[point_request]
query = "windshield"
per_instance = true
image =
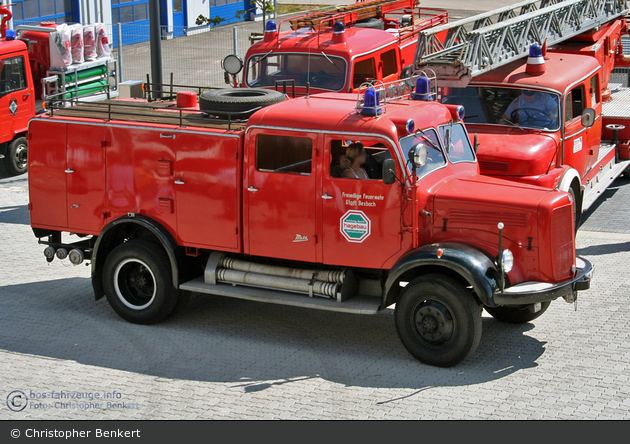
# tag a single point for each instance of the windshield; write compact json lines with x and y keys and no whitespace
{"x":457,"y":143}
{"x":322,"y":71}
{"x":506,"y":106}
{"x":429,"y":137}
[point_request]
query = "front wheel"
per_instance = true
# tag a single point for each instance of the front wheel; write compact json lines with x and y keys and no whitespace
{"x":438,"y":320}
{"x":138,"y":282}
{"x":16,"y":159}
{"x":518,"y":315}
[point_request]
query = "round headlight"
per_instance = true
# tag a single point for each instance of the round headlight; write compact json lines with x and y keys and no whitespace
{"x":419,"y":154}
{"x":507,"y":258}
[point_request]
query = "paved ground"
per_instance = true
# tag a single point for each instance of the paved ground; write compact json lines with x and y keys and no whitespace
{"x":224,"y":358}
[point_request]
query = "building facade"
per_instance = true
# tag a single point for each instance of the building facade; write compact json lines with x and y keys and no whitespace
{"x":178,"y":17}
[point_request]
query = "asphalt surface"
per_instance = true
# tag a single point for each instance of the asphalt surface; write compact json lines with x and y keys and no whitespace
{"x":232,"y":359}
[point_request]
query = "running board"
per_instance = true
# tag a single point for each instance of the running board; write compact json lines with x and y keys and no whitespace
{"x":357,"y":305}
{"x":599,"y":184}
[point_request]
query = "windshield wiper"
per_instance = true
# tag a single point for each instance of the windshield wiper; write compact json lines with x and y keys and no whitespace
{"x":426,"y":138}
{"x":331,"y":62}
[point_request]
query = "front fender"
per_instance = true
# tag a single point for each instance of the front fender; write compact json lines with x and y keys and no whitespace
{"x":470,"y":263}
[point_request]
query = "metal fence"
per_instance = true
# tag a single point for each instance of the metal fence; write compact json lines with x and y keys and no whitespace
{"x":193,"y":59}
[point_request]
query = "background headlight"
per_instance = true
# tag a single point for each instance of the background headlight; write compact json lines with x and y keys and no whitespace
{"x":507,"y":258}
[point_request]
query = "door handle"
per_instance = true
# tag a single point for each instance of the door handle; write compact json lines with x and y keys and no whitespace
{"x":326,"y":197}
{"x":69,"y":171}
{"x":252,"y":189}
{"x":26,"y":96}
{"x":180,"y":182}
{"x":167,"y":136}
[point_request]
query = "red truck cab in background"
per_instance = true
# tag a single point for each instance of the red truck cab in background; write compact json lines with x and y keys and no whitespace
{"x":17,"y":98}
{"x":337,"y":50}
{"x":165,"y":200}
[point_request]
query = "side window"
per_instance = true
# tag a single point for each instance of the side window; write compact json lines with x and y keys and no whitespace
{"x":594,"y":90}
{"x":363,"y":70}
{"x":283,"y":154}
{"x":357,"y":159}
{"x":574,"y":103}
{"x":388,"y":59}
{"x":12,"y":75}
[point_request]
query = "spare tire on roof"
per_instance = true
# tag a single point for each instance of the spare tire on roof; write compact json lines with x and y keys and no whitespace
{"x":372,"y":23}
{"x":237,"y":102}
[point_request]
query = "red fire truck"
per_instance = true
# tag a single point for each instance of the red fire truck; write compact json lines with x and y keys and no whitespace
{"x":31,"y":69}
{"x":535,"y":85}
{"x":336,"y":50}
{"x":165,"y":199}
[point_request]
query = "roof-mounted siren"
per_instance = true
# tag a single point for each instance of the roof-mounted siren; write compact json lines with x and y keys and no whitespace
{"x":371,"y":99}
{"x":339,"y":32}
{"x":271,"y":31}
{"x":426,"y":87}
{"x":10,"y":34}
{"x":535,"y":61}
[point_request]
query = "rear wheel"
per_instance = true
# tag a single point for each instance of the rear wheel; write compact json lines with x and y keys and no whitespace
{"x":518,"y":315}
{"x":138,"y":282}
{"x":438,"y":320}
{"x":16,"y":159}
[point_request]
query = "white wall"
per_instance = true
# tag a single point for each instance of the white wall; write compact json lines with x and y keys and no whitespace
{"x":196,"y":7}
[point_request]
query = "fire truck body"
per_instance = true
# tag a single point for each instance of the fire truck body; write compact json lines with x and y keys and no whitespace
{"x":167,"y":200}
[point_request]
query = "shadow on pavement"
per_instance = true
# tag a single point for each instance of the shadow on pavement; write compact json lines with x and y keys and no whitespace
{"x":253,"y":345}
{"x":15,"y":215}
{"x":597,"y":250}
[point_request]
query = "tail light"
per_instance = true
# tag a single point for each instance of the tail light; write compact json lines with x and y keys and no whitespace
{"x":562,"y":242}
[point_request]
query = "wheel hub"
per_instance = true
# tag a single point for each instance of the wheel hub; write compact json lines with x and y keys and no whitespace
{"x":433,"y":322}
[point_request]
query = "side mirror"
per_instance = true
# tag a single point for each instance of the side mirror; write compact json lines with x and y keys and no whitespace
{"x":588,"y":117}
{"x":389,"y":171}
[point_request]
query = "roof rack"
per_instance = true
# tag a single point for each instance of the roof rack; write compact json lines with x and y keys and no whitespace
{"x":487,"y":41}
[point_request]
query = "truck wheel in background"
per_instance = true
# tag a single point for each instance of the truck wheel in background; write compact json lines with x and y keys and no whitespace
{"x":15,"y":160}
{"x":517,"y":315}
{"x":138,"y":283}
{"x":438,"y":320}
{"x":220,"y":102}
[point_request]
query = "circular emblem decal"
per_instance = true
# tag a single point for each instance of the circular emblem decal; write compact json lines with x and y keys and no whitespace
{"x":355,"y":226}
{"x":13,"y":106}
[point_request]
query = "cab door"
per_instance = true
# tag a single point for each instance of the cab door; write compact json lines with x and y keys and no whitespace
{"x":578,"y":140}
{"x":280,"y":195}
{"x":16,"y":101}
{"x":361,"y":218}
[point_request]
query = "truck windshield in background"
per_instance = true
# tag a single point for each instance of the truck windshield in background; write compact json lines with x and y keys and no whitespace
{"x":506,"y":106}
{"x":322,"y":71}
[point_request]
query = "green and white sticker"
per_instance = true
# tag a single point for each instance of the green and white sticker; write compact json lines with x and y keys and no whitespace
{"x":355,"y":226}
{"x":13,"y":106}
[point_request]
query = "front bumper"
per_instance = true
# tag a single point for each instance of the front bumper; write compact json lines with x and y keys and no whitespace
{"x":532,"y":292}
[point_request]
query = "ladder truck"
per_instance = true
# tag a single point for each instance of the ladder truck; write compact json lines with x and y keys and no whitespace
{"x":534,"y":80}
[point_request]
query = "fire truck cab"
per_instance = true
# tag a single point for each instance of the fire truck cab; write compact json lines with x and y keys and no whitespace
{"x":338,"y":50}
{"x":165,"y":200}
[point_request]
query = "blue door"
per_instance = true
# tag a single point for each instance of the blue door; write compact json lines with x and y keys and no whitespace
{"x":134,"y":17}
{"x":179,"y":17}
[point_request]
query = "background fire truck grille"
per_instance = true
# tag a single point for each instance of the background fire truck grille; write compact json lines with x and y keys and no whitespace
{"x":467,"y":217}
{"x":562,"y":242}
{"x":493,"y":165}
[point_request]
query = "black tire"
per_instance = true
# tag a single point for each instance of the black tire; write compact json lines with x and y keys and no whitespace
{"x":138,"y":282}
{"x":221,"y":102}
{"x":438,"y":320}
{"x":577,"y":215}
{"x":372,"y":23}
{"x":16,"y":159}
{"x":517,"y":315}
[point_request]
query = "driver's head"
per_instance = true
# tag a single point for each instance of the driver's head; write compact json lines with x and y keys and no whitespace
{"x":528,"y":96}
